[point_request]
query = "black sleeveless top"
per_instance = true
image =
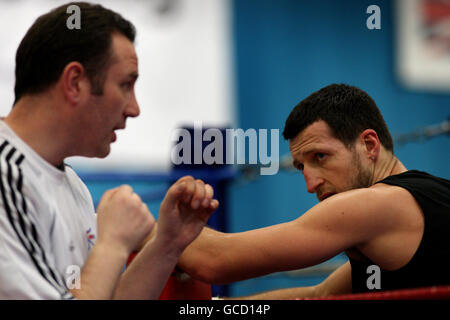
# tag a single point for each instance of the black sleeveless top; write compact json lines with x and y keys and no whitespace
{"x":430,"y":264}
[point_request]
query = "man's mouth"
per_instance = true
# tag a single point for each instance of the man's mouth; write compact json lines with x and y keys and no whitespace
{"x":120,"y":127}
{"x":114,"y":135}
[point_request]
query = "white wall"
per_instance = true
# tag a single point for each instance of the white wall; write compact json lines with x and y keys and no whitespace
{"x":185,"y":73}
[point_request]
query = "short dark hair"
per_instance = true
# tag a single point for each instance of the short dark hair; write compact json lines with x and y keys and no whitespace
{"x":346,"y":109}
{"x":49,"y":45}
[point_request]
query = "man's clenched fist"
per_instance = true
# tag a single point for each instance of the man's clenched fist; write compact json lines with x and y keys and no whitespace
{"x":184,"y":211}
{"x":123,"y":219}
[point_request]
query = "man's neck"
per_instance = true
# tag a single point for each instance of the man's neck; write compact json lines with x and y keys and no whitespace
{"x":37,"y":127}
{"x":386,"y":165}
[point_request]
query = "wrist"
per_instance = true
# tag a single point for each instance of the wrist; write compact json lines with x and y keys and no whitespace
{"x":101,"y":272}
{"x":111,"y":250}
{"x":167,"y":246}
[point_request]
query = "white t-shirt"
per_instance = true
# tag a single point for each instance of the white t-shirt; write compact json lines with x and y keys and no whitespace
{"x":47,"y":223}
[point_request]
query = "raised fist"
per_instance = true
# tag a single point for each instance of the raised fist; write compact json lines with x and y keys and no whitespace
{"x":184,"y":211}
{"x":123,"y":219}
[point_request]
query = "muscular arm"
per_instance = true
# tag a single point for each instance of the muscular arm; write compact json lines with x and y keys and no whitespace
{"x":332,"y":226}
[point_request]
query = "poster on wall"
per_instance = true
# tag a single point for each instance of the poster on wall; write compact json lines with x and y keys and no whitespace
{"x":423,"y":44}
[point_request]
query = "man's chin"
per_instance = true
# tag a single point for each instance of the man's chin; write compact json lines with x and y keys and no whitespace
{"x":104,"y":154}
{"x":100,"y":153}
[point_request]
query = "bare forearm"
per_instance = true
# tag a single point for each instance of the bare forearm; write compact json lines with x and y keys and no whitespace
{"x":145,"y":277}
{"x":100,"y":273}
{"x":338,"y":282}
{"x":205,"y":257}
{"x":221,"y":258}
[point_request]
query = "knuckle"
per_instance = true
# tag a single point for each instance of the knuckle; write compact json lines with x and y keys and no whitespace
{"x":126,"y":188}
{"x":209,"y":191}
{"x":136,"y":202}
{"x":123,"y":198}
{"x":173,"y":188}
{"x":149,"y":221}
{"x":191,"y":186}
{"x":185,"y":179}
{"x":145,"y":208}
{"x":136,"y":197}
{"x":200,"y":190}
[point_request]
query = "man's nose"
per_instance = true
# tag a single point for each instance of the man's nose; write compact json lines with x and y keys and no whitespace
{"x":312,"y":179}
{"x":132,"y":109}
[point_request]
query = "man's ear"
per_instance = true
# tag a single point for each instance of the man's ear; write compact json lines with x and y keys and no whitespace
{"x":74,"y":82}
{"x":371,"y":143}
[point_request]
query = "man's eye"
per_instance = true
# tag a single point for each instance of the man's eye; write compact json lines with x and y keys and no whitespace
{"x":320,"y":156}
{"x":127,"y":85}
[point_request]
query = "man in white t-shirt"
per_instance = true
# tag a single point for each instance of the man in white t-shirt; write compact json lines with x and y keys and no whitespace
{"x":74,"y":88}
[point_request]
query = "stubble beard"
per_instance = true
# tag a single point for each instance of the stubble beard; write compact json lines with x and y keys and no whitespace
{"x":363,"y":176}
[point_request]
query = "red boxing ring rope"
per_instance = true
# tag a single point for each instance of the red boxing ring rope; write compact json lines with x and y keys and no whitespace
{"x":427,"y":293}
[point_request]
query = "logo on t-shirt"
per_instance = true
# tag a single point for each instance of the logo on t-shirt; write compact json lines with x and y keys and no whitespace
{"x":90,"y":238}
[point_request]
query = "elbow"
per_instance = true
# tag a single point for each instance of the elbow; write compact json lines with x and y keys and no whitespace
{"x":208,"y":260}
{"x":206,"y":269}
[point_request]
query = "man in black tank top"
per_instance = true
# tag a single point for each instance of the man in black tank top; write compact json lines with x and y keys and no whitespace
{"x":393,"y":224}
{"x":427,"y":267}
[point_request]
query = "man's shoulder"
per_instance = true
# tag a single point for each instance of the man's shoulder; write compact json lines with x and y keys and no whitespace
{"x":11,"y":156}
{"x":377,"y":205}
{"x":12,"y":151}
{"x":20,"y":172}
{"x":391,"y":208}
{"x":392,"y":197}
{"x":384,"y":197}
{"x":377,"y":196}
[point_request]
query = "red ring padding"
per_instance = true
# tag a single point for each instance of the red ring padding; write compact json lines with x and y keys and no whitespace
{"x":427,"y":293}
{"x":180,"y":286}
